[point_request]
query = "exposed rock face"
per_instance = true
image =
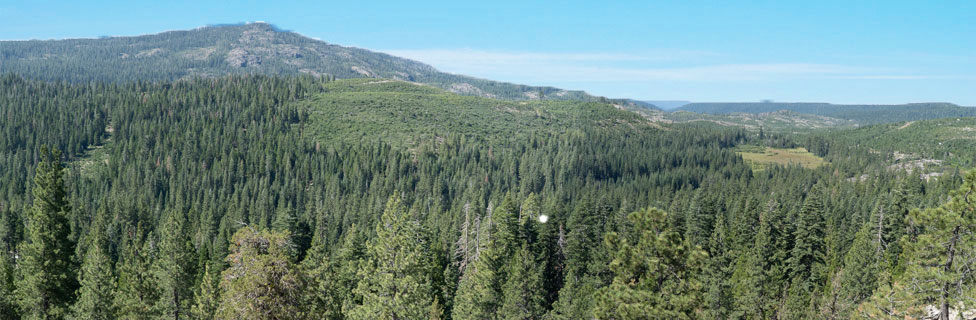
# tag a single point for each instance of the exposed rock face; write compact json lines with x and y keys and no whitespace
{"x":260,"y":33}
{"x":239,"y":57}
{"x":149,"y":53}
{"x":402,"y":76}
{"x":260,"y":43}
{"x":362,"y":71}
{"x":468,"y":89}
{"x":287,"y":51}
{"x":954,"y":314}
{"x":200,"y":53}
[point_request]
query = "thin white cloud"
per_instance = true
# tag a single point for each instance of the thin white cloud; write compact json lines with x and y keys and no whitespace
{"x":731,"y":72}
{"x":907,"y":77}
{"x":537,"y":67}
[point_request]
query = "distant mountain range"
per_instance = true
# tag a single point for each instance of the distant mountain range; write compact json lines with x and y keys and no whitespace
{"x":254,"y":48}
{"x":862,"y":114}
{"x":260,"y":48}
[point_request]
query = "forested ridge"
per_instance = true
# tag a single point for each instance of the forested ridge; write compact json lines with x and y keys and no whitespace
{"x":300,"y":197}
{"x":861,"y":114}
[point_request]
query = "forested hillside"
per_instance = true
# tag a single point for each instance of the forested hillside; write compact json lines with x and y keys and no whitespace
{"x":927,"y":147}
{"x":254,"y":48}
{"x":405,"y":113}
{"x":778,"y":121}
{"x":861,"y":114}
{"x":256,"y":197}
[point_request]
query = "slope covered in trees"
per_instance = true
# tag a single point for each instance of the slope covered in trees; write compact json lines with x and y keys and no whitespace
{"x":405,"y":113}
{"x":229,"y":197}
{"x":778,"y":121}
{"x":951,"y":140}
{"x":861,"y":114}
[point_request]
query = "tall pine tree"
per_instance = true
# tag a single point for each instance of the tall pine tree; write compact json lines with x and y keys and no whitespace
{"x":479,"y":293}
{"x":655,"y":276}
{"x":582,"y":246}
{"x":523,"y":291}
{"x":207,"y":296}
{"x":96,"y":278}
{"x":175,"y":266}
{"x":394,"y":279}
{"x":331,"y":280}
{"x":8,"y":304}
{"x":46,"y":281}
{"x":717,"y":271}
{"x":261,"y":282}
{"x":136,"y":290}
{"x":760,"y":272}
{"x":941,"y":254}
{"x":806,"y":262}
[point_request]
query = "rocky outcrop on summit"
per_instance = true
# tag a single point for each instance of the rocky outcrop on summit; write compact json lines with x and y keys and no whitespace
{"x":253,"y":48}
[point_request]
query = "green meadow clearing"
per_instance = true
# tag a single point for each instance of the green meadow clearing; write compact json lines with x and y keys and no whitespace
{"x":762,"y":157}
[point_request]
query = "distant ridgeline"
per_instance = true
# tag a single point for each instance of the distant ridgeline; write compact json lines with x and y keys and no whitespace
{"x":254,"y":48}
{"x":862,"y":114}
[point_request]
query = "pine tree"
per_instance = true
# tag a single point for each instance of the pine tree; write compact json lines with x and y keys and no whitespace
{"x":509,"y":226}
{"x":478,"y":296}
{"x":701,"y":217}
{"x":350,"y":258}
{"x":261,"y":281}
{"x":761,"y":271}
{"x":174,"y":268}
{"x":206,"y":297}
{"x":331,"y":280}
{"x":940,"y":254}
{"x":582,"y":246}
{"x":806,"y":262}
{"x":524,"y":291}
{"x":479,"y":293}
{"x":891,"y":300}
{"x":551,"y":246}
{"x":11,"y":230}
{"x":319,"y":273}
{"x":717,"y":271}
{"x":523,"y":296}
{"x":576,"y":297}
{"x":96,"y":278}
{"x":889,"y":224}
{"x":861,"y":266}
{"x":8,"y":305}
{"x":46,"y":281}
{"x":395,"y":280}
{"x":654,"y":275}
{"x":136,"y":291}
{"x":286,"y":220}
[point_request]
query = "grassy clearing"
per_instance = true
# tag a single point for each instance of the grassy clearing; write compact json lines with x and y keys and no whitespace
{"x":761,"y":157}
{"x":95,"y":156}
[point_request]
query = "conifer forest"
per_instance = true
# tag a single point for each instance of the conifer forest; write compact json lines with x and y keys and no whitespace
{"x":170,"y":186}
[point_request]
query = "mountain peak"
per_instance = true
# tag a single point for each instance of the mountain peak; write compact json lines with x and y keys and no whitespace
{"x":246,"y":48}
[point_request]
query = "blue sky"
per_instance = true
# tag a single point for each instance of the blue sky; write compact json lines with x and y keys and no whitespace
{"x":828,"y":51}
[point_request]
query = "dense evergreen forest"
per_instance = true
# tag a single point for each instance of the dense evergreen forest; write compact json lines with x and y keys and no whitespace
{"x":303,"y":197}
